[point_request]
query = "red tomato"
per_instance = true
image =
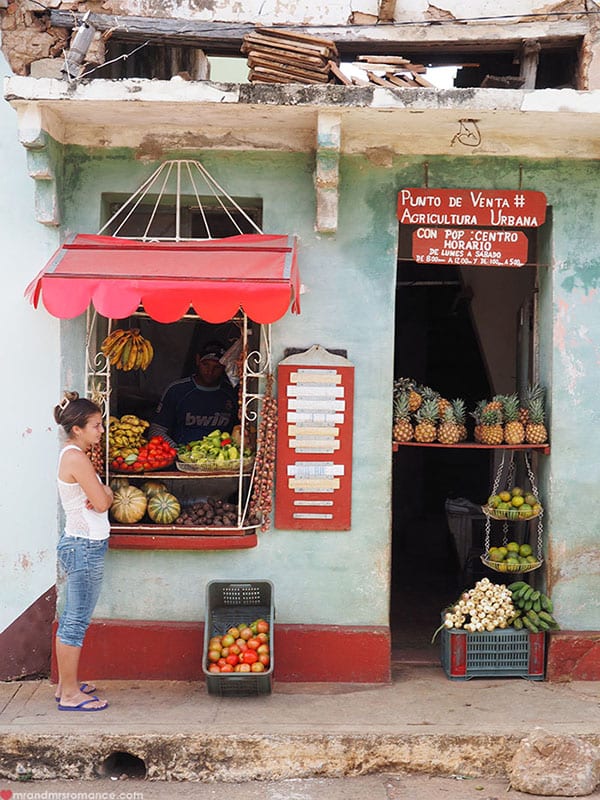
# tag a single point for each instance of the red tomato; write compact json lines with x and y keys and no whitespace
{"x":214,"y":668}
{"x":254,"y":643}
{"x":221,"y":662}
{"x":226,"y":668}
{"x":232,"y":659}
{"x":249,"y":657}
{"x":264,"y":658}
{"x":262,"y":626}
{"x":244,"y":668}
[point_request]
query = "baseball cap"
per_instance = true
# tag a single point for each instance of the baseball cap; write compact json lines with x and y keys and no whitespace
{"x":211,"y":351}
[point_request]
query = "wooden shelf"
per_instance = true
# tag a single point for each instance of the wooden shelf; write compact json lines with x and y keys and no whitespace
{"x":541,"y":448}
{"x":175,"y":474}
{"x":120,"y":540}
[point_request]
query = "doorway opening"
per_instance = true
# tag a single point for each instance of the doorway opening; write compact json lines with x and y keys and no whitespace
{"x":466,"y":332}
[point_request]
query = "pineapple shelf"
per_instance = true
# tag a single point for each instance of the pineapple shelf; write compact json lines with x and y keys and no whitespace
{"x":540,"y":448}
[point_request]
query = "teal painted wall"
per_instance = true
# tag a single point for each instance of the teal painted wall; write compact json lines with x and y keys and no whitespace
{"x":343,"y":577}
{"x":30,"y":364}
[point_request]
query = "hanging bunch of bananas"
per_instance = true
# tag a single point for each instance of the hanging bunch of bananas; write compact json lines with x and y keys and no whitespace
{"x":127,"y":350}
{"x":125,"y":435}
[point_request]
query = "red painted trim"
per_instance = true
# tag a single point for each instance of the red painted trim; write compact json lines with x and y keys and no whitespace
{"x":140,"y":541}
{"x":537,"y":652}
{"x":25,"y":645}
{"x":143,"y":650}
{"x":543,"y":448}
{"x":458,"y":655}
{"x":573,"y":655}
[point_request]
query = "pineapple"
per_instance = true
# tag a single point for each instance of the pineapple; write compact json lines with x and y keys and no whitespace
{"x":403,"y":430}
{"x":443,"y":406}
{"x":535,"y":430}
{"x":449,"y":430}
{"x":460,"y":414}
{"x":491,"y":427}
{"x":514,"y":431}
{"x":477,"y":417}
{"x":495,"y":403}
{"x":414,"y":396}
{"x":534,"y":392}
{"x":426,"y":416}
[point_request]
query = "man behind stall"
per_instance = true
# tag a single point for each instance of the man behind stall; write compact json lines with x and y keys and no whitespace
{"x":192,"y":407}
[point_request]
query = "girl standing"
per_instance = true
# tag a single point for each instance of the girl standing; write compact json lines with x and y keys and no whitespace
{"x":82,"y":546}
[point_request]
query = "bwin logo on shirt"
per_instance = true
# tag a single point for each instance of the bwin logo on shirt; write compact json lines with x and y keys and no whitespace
{"x":216,"y":420}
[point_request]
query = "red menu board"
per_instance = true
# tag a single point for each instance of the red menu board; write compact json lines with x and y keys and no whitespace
{"x":482,"y":247}
{"x":313,"y":488}
{"x":492,"y":208}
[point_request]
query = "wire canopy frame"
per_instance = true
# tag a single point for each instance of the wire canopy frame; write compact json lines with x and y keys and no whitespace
{"x":179,"y":178}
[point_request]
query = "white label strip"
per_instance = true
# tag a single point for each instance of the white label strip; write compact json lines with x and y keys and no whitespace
{"x":315,"y":469}
{"x":300,"y":404}
{"x":315,"y":376}
{"x":313,"y":484}
{"x":315,"y":391}
{"x":315,"y":418}
{"x":311,"y":430}
{"x":298,"y":515}
{"x":318,"y":445}
{"x":313,"y":502}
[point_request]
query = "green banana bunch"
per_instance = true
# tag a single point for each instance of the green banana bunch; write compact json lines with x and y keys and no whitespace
{"x":533,"y":609}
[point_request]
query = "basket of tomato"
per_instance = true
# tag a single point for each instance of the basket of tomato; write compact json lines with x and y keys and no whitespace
{"x":155,"y":454}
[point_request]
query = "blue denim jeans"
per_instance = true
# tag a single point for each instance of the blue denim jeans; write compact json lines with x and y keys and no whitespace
{"x":83,"y":562}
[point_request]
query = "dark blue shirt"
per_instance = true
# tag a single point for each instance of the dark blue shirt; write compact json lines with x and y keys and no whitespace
{"x":187,"y":412}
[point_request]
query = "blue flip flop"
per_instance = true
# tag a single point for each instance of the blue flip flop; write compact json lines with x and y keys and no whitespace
{"x":85,"y":688}
{"x":82,"y":706}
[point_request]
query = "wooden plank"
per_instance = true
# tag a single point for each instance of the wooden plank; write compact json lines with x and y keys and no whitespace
{"x":402,"y":81}
{"x":283,"y":54}
{"x":422,"y":82}
{"x":257,"y":38}
{"x":384,"y":59}
{"x":379,"y":81}
{"x":284,"y":33}
{"x":278,"y":66}
{"x":359,"y":81}
{"x":530,"y":56}
{"x":285,"y":77}
{"x":393,"y":68}
{"x":339,"y":74}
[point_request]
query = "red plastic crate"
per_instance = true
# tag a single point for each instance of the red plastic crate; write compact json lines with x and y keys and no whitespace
{"x":493,"y":654}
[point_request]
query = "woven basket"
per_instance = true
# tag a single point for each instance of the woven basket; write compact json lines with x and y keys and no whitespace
{"x":213,"y":467}
{"x":510,"y":514}
{"x":505,"y":566}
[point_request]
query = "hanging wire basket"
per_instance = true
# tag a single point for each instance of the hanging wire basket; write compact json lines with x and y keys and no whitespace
{"x":508,"y":566}
{"x":521,"y":563}
{"x":510,"y":514}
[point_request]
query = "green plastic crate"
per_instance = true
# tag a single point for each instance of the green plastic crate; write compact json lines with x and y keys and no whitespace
{"x":502,"y":653}
{"x":227,"y":604}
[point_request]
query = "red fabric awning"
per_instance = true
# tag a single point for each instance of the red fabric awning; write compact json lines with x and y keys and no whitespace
{"x":217,"y":277}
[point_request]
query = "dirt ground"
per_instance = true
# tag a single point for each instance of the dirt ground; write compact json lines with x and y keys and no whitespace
{"x":373,"y":787}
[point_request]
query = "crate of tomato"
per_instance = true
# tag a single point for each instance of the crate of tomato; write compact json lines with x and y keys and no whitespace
{"x":155,"y":454}
{"x":238,"y":655}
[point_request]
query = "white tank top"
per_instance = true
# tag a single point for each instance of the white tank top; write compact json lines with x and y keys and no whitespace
{"x":79,"y":520}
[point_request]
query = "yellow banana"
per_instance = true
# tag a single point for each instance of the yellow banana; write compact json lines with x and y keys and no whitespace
{"x":149,"y":353}
{"x":139,"y":355}
{"x":124,"y":355}
{"x":132,"y":355}
{"x":111,"y":339}
{"x":115,"y":351}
